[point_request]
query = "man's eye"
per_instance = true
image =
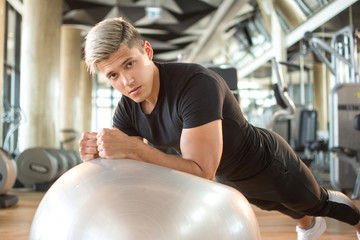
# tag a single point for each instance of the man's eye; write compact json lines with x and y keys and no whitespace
{"x":113,"y":76}
{"x":130,"y":64}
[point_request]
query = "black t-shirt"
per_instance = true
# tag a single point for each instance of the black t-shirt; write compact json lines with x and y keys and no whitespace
{"x":190,"y":96}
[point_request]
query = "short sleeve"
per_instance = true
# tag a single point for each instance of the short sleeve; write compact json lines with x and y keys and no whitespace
{"x":122,"y":118}
{"x":201,"y":101}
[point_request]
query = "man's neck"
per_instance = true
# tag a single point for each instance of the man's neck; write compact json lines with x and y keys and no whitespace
{"x":149,"y":104}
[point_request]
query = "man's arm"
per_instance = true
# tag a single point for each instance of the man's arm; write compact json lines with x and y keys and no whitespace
{"x":201,"y":149}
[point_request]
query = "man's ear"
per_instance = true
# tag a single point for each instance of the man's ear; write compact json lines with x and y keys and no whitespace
{"x":148,"y":50}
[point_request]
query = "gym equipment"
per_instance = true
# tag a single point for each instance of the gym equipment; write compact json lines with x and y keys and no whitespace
{"x":36,"y":165}
{"x":306,"y":135}
{"x":12,"y":117}
{"x":71,"y":157}
{"x":7,"y":179}
{"x":347,"y":148}
{"x":282,"y":98}
{"x":62,"y":161}
{"x":344,"y":103}
{"x":229,"y":74}
{"x":128,"y":199}
{"x":39,"y":167}
{"x":73,"y":135}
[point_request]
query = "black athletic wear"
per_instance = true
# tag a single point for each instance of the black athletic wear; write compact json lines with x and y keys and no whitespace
{"x":257,"y":162}
{"x":190,"y":96}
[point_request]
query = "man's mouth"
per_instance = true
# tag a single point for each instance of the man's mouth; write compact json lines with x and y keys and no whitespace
{"x":134,"y":90}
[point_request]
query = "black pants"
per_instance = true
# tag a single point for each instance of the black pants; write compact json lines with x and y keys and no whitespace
{"x":288,"y":186}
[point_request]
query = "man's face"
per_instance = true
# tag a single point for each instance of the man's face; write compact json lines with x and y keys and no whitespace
{"x":130,"y":71}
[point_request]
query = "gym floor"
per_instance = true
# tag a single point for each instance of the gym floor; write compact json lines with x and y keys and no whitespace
{"x":15,"y":221}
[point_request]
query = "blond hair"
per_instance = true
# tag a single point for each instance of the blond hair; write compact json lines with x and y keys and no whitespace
{"x":107,"y":37}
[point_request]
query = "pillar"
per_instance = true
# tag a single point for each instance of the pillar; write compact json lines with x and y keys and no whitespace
{"x":2,"y":39}
{"x":277,"y":42}
{"x":86,"y":85}
{"x":40,"y":73}
{"x":70,"y":84}
{"x":320,"y":94}
{"x":291,"y":11}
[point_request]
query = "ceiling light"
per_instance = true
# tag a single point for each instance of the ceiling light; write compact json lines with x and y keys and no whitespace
{"x":153,"y":12}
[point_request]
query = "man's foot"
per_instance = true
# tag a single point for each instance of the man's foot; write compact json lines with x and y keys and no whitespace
{"x":314,"y":232}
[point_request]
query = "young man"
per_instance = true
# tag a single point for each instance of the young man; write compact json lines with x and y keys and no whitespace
{"x":189,"y":108}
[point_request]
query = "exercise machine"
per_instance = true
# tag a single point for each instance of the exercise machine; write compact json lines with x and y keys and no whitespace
{"x":282,"y":98}
{"x":38,"y":168}
{"x":344,"y":105}
{"x":13,"y":116}
{"x":7,"y":179}
{"x":229,"y":74}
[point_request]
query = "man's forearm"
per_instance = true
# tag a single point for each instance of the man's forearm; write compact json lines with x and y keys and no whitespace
{"x":149,"y":154}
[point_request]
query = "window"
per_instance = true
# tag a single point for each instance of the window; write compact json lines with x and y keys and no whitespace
{"x":106,"y":100}
{"x":12,"y":115}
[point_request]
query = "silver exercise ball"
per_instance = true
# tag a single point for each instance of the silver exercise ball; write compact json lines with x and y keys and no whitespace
{"x":127,"y":199}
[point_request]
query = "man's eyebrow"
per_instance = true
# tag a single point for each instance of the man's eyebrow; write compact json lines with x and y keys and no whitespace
{"x":122,"y":64}
{"x":126,"y":60}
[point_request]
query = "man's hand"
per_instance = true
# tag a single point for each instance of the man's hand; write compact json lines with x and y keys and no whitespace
{"x":112,"y":143}
{"x":88,"y":147}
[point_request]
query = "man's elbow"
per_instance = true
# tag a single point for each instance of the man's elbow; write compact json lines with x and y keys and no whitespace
{"x":208,"y":174}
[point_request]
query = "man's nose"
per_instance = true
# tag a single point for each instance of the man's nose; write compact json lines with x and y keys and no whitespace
{"x":127,"y":80}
